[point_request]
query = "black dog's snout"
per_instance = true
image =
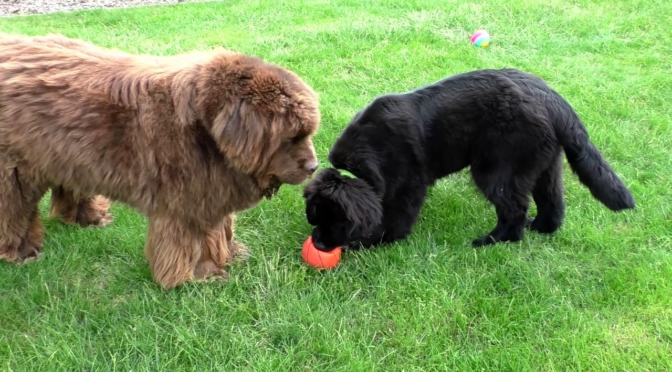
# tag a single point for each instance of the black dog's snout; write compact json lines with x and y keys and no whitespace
{"x":317,"y":242}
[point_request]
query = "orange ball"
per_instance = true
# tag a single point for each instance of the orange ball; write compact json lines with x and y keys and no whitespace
{"x":317,"y":258}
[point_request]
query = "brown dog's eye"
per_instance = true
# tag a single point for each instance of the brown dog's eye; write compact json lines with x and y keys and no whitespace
{"x":297,"y":139}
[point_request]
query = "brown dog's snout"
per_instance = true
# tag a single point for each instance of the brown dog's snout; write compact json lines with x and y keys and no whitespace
{"x":311,"y":166}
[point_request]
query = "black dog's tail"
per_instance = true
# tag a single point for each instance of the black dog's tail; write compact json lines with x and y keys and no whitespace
{"x":585,"y":159}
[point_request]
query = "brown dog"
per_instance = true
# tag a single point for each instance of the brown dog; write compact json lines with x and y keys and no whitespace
{"x":187,"y":140}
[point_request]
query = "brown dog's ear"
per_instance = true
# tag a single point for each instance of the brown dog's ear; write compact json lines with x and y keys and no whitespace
{"x":242,"y":135}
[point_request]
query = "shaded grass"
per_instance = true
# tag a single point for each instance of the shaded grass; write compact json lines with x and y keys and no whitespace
{"x":596,"y":296}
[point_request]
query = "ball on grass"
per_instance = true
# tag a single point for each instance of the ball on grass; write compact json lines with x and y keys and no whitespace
{"x":480,"y":38}
{"x":317,"y":258}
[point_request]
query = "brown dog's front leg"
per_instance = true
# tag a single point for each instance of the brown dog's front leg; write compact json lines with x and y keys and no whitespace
{"x":178,"y":254}
{"x":172,"y":250}
{"x":219,"y":249}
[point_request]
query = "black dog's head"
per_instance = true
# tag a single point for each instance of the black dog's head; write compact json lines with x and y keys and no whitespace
{"x":341,"y":208}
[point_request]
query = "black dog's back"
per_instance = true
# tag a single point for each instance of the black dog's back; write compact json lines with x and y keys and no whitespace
{"x":509,"y":127}
{"x":480,"y":118}
{"x":582,"y":155}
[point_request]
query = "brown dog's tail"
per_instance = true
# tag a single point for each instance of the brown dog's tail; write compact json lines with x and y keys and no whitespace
{"x":585,"y":159}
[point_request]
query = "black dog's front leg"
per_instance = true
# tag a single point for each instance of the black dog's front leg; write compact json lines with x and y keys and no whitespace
{"x":379,"y":237}
{"x":398,"y":221}
{"x":376,"y":238}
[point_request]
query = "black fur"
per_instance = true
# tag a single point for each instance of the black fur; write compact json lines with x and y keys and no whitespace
{"x":509,"y":127}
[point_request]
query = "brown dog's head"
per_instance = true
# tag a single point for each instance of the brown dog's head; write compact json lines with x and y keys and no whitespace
{"x":262,"y":117}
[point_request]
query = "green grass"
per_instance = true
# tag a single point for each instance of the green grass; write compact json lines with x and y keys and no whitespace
{"x":597,"y":296}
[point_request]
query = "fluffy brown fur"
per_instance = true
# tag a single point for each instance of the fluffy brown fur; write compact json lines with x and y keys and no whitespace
{"x":187,"y":140}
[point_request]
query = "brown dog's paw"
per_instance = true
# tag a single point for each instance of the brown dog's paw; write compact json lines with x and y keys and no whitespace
{"x":101,"y":220}
{"x":8,"y":253}
{"x":240,"y":252}
{"x":94,"y":213}
{"x":27,"y":252}
{"x":207,"y":272}
{"x":220,"y":276}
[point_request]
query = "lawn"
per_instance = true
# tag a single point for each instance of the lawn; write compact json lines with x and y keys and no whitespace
{"x":596,"y":296}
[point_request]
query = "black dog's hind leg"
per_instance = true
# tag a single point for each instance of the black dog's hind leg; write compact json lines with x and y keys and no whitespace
{"x":548,"y":196}
{"x":510,"y":196}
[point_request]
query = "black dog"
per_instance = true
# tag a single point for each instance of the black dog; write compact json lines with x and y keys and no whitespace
{"x":509,"y":127}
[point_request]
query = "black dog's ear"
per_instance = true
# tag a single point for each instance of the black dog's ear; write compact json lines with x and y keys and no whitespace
{"x":311,"y":212}
{"x":311,"y":209}
{"x":356,"y":198}
{"x":361,"y":205}
{"x":319,"y":182}
{"x":313,"y":190}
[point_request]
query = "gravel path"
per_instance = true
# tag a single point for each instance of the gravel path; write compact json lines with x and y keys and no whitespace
{"x":20,"y":7}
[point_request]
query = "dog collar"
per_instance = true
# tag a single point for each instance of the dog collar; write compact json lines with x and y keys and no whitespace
{"x":344,"y":172}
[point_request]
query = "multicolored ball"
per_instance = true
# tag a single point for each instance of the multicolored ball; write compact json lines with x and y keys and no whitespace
{"x":480,"y":38}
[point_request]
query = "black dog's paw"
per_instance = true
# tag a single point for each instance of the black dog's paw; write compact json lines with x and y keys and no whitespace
{"x":484,"y":241}
{"x":543,"y":226}
{"x":363,"y":244}
{"x":352,"y":246}
{"x":529,"y":222}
